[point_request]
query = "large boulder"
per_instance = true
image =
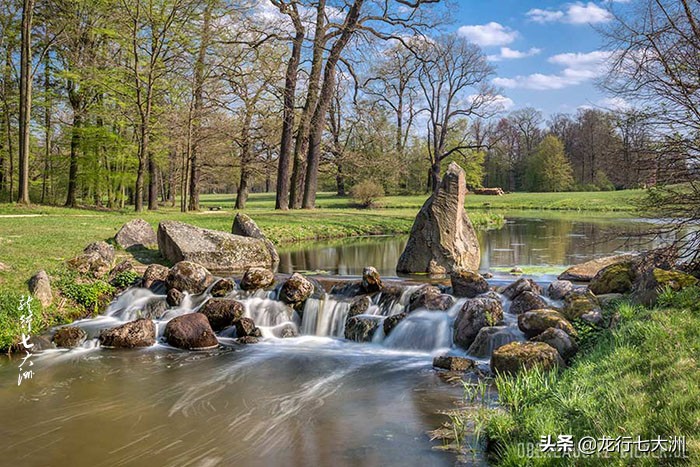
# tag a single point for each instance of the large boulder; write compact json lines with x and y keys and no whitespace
{"x":361,"y":328}
{"x":560,"y":340}
{"x":296,"y":290}
{"x":585,"y":272}
{"x":579,"y":305}
{"x":489,"y":339}
{"x":244,"y":226}
{"x":187,"y":276}
{"x":466,"y":283}
{"x":430,"y":298}
{"x":371,"y":281}
{"x":616,"y":278}
{"x":520,"y":286}
{"x":136,"y":233}
{"x":516,"y":356}
{"x":222,"y":313}
{"x":139,"y":333}
{"x":648,"y":285}
{"x":442,"y":237}
{"x":69,"y":337}
{"x":40,"y":288}
{"x":476,"y":313}
{"x":190,"y":332}
{"x":526,"y":301}
{"x":257,"y":278}
{"x":535,"y":322}
{"x":212,"y":249}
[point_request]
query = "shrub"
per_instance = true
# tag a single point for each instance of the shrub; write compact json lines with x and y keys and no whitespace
{"x":125,"y":279}
{"x":366,"y":193}
{"x":89,"y":295}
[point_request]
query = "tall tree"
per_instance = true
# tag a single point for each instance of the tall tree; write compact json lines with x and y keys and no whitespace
{"x":25,"y":99}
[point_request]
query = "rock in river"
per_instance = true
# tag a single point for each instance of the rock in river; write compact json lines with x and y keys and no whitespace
{"x":257,"y":278}
{"x":560,"y":340}
{"x":139,"y":333}
{"x":526,"y":301}
{"x":585,"y":272}
{"x":187,"y":276}
{"x":190,"y":332}
{"x":448,"y":362}
{"x":535,"y":322}
{"x":222,"y":313}
{"x":296,"y":289}
{"x":475,"y":314}
{"x":466,"y":283}
{"x":361,"y":328}
{"x":212,"y":249}
{"x":69,"y":337}
{"x":442,"y":238}
{"x":516,"y":356}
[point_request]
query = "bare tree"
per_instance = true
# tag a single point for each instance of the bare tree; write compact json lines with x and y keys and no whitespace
{"x":453,"y":79}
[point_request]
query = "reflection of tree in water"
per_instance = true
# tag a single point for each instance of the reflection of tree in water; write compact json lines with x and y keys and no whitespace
{"x":523,"y":241}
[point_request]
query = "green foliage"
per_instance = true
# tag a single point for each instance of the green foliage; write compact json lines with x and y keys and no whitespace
{"x":548,"y":169}
{"x":125,"y":279}
{"x":367,"y":192}
{"x":89,"y":295}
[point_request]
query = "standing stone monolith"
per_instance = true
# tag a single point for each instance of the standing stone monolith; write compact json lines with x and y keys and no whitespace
{"x":442,"y":238}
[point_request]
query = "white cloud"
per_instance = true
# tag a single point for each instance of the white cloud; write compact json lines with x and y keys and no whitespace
{"x":493,"y":103}
{"x":507,"y":53}
{"x":578,"y":68}
{"x":573,"y":13}
{"x":614,"y":103}
{"x":490,"y":34}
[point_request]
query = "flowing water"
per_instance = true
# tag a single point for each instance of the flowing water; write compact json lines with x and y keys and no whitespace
{"x":314,"y":399}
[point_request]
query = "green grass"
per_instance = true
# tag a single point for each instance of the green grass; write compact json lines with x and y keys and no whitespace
{"x":639,"y":379}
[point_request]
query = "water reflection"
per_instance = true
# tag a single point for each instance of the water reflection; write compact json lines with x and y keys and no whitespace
{"x":523,"y":241}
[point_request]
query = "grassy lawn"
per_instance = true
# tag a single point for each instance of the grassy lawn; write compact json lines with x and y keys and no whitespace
{"x":641,"y":378}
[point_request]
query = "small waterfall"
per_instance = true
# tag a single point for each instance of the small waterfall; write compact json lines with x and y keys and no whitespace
{"x":422,"y":330}
{"x":126,"y":307}
{"x":325,"y":316}
{"x":268,"y":313}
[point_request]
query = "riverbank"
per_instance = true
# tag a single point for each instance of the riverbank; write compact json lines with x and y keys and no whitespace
{"x":640,"y":378}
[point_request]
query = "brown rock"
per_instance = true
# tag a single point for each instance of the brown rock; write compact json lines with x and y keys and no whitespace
{"x":296,"y":289}
{"x":390,"y":322}
{"x":257,"y":278}
{"x":476,"y":313}
{"x":154,"y":273}
{"x":190,"y":332}
{"x":467,"y":283}
{"x":139,"y":333}
{"x":520,"y":286}
{"x":222,"y":312}
{"x":40,"y":288}
{"x":448,"y":362}
{"x":527,"y":301}
{"x":585,"y":272}
{"x":190,"y":277}
{"x":535,"y":322}
{"x":222,"y":287}
{"x":371,"y":281}
{"x":516,"y":356}
{"x":69,"y":337}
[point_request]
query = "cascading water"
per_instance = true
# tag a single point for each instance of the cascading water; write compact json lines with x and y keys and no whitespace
{"x":325,"y":316}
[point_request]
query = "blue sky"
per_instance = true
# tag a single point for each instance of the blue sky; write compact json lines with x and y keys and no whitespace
{"x":547,"y":54}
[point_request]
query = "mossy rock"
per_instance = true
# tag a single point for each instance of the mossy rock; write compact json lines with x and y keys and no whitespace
{"x":647,"y":288}
{"x":516,"y":356}
{"x":578,"y":304}
{"x":616,"y":278}
{"x":535,"y":322}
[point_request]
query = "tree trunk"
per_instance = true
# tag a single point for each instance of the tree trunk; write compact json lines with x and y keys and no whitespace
{"x":318,"y":122}
{"x":47,"y":128}
{"x":242,"y":193}
{"x":140,"y":172}
{"x":25,"y":100}
{"x":340,"y":180}
{"x":152,"y":182}
{"x":73,"y":169}
{"x":435,"y":176}
{"x":8,"y":122}
{"x":282,"y":198}
{"x":302,"y":141}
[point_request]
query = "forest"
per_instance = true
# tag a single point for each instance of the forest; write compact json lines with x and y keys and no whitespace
{"x":113,"y":103}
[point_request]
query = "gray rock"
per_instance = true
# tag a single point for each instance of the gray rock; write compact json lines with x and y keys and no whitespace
{"x":139,"y":333}
{"x":430,"y":298}
{"x":559,"y":289}
{"x":535,"y":322}
{"x":154,"y":273}
{"x":560,"y":340}
{"x":212,"y":249}
{"x":187,"y":276}
{"x":467,"y":283}
{"x":520,"y":286}
{"x":371,"y":281}
{"x":174,"y":297}
{"x":136,"y":233}
{"x":296,"y":289}
{"x":451,"y":363}
{"x":40,"y":288}
{"x":154,"y":308}
{"x":476,"y":313}
{"x":69,"y":337}
{"x":442,"y":237}
{"x":222,"y":312}
{"x":246,"y":227}
{"x":103,"y":249}
{"x":257,"y":278}
{"x":585,"y":272}
{"x":97,"y":259}
{"x":222,"y":287}
{"x":360,"y":328}
{"x":190,"y":332}
{"x":527,"y":301}
{"x":489,"y":339}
